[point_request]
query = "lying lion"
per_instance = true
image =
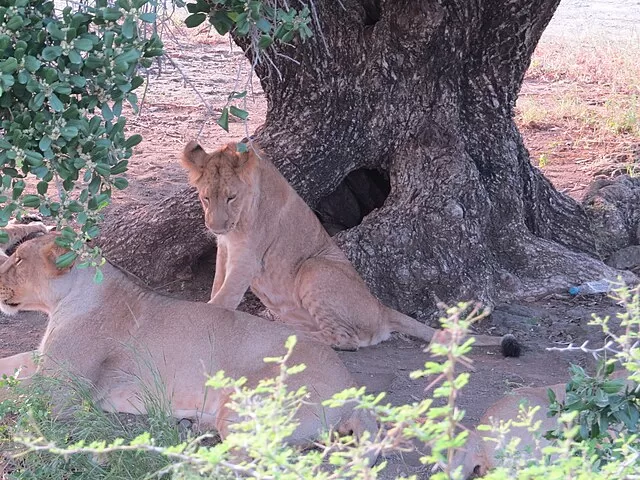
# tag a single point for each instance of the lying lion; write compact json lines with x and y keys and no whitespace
{"x":18,"y":233}
{"x":479,"y":454}
{"x":271,"y":241}
{"x":118,"y":335}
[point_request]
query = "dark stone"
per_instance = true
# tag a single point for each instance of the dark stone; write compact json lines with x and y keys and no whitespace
{"x":625,"y":258}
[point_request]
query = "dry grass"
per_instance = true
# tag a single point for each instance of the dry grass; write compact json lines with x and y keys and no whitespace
{"x":614,"y":64}
{"x":580,"y":104}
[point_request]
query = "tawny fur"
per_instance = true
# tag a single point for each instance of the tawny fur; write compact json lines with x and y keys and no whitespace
{"x":478,"y":455}
{"x":271,"y":241}
{"x":120,"y":336}
{"x":17,"y":232}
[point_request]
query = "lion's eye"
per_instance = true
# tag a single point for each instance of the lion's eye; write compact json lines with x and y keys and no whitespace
{"x":231,"y":198}
{"x":206,"y":199}
{"x":18,"y":261}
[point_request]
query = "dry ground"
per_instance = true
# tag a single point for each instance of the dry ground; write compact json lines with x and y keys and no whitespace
{"x":579,"y":114}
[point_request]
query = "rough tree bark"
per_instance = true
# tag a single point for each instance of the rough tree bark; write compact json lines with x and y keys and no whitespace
{"x":157,"y":243}
{"x":424,"y":90}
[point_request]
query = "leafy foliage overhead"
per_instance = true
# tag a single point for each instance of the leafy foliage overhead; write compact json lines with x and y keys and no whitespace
{"x":64,"y":78}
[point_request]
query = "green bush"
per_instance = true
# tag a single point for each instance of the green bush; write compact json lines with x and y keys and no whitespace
{"x":255,"y":448}
{"x":64,"y":78}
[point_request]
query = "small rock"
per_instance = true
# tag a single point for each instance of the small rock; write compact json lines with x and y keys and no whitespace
{"x":625,"y":258}
{"x":184,"y":424}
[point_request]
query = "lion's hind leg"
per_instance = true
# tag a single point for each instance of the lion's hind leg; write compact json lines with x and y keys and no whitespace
{"x":331,"y":325}
{"x":336,"y":303}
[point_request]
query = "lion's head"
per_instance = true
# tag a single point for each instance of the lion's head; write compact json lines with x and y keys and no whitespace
{"x":25,"y":277}
{"x":226,"y":182}
{"x":17,"y":233}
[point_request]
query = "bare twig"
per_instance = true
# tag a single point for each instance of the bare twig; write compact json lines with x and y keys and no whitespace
{"x":595,"y":352}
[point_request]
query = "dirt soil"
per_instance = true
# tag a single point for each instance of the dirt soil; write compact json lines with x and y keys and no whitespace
{"x":183,"y":100}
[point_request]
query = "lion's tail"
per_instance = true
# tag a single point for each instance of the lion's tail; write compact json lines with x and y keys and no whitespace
{"x":399,"y":322}
{"x":402,"y":323}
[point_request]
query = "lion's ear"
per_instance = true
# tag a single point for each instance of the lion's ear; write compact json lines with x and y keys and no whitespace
{"x":194,"y":159}
{"x":240,"y":160}
{"x":52,"y":252}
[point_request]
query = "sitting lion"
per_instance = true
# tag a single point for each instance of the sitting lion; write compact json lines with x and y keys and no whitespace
{"x":270,"y":240}
{"x":99,"y":332}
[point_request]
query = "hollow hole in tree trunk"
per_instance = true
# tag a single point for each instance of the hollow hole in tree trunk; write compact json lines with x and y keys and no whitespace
{"x":372,"y":12}
{"x":361,"y":191}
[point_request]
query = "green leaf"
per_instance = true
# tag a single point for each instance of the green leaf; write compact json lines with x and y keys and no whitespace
{"x":117,"y":109}
{"x":75,"y":207}
{"x":111,"y":14}
{"x":120,"y":66}
{"x":119,"y":167}
{"x":62,"y":88}
{"x":18,"y":188}
{"x":106,"y":112}
{"x":66,"y":260}
{"x":74,"y":57}
{"x":221,"y":22}
{"x":9,"y":65}
{"x":242,"y":147}
{"x":83,"y":44}
{"x":35,"y":159}
{"x":129,"y":56}
{"x":613,"y":386}
{"x":103,"y":169}
{"x":98,"y":277}
{"x":242,"y":27}
{"x":51,"y":53}
{"x":6,"y":81}
{"x":31,"y":63}
{"x":69,"y":132}
{"x":265,"y":42}
{"x":128,"y":28}
{"x":42,"y":187}
{"x":31,"y":201}
{"x":132,"y":141}
{"x":223,"y":121}
{"x":287,"y":37}
{"x":51,"y":75}
{"x":237,"y":112}
{"x":4,"y":236}
{"x":38,"y":101}
{"x":15,"y":23}
{"x":263,"y":25}
{"x":55,"y":103}
{"x":55,"y":31}
{"x":77,"y":81}
{"x":120,"y":183}
{"x":92,"y":62}
{"x":23,"y":77}
{"x":195,"y":19}
{"x":94,"y":185}
{"x":148,"y":17}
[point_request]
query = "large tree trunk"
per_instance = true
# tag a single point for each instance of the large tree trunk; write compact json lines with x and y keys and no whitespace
{"x":424,"y":90}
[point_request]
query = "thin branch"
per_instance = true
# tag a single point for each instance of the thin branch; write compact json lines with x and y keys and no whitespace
{"x":595,"y":352}
{"x":316,"y":21}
